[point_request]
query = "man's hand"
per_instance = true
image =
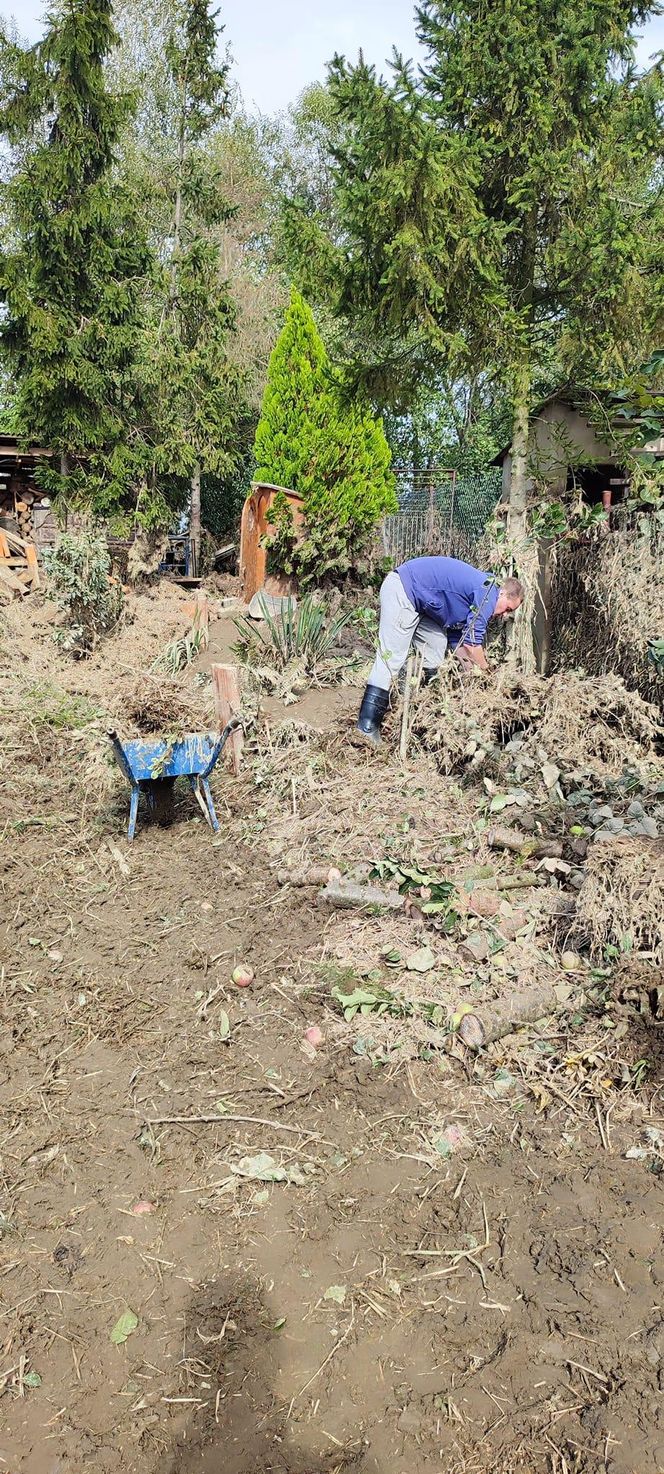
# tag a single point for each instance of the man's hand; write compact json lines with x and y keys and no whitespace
{"x":470,"y":655}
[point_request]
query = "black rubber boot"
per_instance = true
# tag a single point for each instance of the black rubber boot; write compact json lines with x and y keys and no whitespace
{"x":429,"y":675}
{"x":372,"y":712}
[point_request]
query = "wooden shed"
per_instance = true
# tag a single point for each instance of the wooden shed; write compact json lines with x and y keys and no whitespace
{"x":23,"y":508}
{"x":566,"y":452}
{"x":254,"y":528}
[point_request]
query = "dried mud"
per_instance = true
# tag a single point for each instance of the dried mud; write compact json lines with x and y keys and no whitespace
{"x":496,"y":1310}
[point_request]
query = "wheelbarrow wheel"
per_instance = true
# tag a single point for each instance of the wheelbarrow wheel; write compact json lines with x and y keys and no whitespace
{"x":163,"y":800}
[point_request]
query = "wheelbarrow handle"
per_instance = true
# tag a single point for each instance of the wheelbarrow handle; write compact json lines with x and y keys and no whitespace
{"x":231,"y":726}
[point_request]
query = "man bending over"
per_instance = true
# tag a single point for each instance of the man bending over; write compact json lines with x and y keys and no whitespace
{"x":432,"y":603}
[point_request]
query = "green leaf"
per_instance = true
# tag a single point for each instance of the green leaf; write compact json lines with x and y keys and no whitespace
{"x":422,"y":960}
{"x":224,"y":1024}
{"x":336,"y":1293}
{"x":500,"y":801}
{"x":124,"y":1327}
{"x":32,"y":1379}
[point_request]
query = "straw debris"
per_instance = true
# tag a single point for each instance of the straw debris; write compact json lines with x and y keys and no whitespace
{"x":161,"y":703}
{"x":588,"y":723}
{"x":621,"y":900}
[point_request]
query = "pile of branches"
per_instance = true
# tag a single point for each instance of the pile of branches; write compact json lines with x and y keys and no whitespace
{"x":163,"y":704}
{"x":578,"y":722}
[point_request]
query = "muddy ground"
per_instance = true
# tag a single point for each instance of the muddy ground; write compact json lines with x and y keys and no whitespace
{"x":392,"y":1310}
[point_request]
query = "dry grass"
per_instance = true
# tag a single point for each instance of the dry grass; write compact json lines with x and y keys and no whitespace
{"x":622,"y":897}
{"x":577,"y":721}
{"x":161,"y":703}
{"x":596,"y":722}
{"x":55,"y":758}
{"x":608,"y":602}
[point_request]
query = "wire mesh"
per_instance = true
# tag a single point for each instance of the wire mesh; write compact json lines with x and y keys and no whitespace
{"x":440,"y":511}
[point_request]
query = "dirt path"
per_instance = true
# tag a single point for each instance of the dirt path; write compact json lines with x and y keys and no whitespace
{"x":392,"y":1310}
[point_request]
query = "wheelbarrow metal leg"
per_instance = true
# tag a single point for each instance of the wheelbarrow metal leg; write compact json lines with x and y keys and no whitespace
{"x":203,"y":795}
{"x":133,"y":811}
{"x":210,"y":804}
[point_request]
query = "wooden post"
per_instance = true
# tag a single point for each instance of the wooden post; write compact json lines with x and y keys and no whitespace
{"x":33,"y":565}
{"x":227,"y":704}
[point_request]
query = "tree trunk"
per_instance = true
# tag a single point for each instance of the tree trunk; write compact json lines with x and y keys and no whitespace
{"x":517,"y":518}
{"x":195,"y":521}
{"x":523,"y":549}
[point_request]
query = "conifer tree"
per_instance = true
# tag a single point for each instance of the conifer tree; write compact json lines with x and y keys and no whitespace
{"x":72,"y":270}
{"x":199,"y":391}
{"x":335,"y":454}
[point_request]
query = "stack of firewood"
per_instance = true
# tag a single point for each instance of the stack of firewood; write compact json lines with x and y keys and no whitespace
{"x":24,"y":503}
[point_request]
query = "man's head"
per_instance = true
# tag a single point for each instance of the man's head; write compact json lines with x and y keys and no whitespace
{"x":510,"y":596}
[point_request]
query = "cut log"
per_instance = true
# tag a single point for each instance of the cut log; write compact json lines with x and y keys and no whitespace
{"x":516,"y":882}
{"x":226,"y":687}
{"x":525,"y":844}
{"x":522,"y":1006}
{"x":347,"y":893}
{"x":317,"y":875}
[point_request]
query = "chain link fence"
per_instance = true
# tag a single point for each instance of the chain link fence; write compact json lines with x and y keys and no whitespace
{"x":440,"y":511}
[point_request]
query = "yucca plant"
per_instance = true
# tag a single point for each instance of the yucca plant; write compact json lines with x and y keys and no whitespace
{"x":180,"y":652}
{"x":299,"y":633}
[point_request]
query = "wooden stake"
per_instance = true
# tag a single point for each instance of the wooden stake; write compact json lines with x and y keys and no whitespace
{"x":403,"y":745}
{"x":414,"y":666}
{"x":33,"y":565}
{"x":227,"y":704}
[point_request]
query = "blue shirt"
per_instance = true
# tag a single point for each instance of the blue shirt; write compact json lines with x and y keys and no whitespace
{"x":453,"y":594}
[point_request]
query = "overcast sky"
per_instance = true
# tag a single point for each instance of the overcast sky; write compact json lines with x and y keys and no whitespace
{"x":279,"y":47}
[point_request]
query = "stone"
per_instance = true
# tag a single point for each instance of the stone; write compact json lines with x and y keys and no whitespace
{"x":484,"y":903}
{"x":597,"y":816}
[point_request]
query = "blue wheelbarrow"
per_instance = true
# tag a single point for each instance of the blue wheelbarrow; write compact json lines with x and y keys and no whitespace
{"x":152,"y":764}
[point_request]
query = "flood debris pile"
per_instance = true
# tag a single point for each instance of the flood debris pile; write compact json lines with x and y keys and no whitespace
{"x":578,"y":723}
{"x":621,"y":902}
{"x":608,"y":603}
{"x":152,"y":702}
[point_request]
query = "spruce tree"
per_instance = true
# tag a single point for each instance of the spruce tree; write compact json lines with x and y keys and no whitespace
{"x":504,"y":205}
{"x":311,"y":440}
{"x":72,"y":270}
{"x":200,"y":392}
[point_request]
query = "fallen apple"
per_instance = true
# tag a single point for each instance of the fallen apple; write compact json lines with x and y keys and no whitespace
{"x":243,"y":977}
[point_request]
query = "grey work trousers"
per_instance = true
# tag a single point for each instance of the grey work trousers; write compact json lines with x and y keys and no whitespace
{"x":400,"y":627}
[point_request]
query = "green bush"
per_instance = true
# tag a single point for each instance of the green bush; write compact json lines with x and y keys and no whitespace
{"x":334,"y":454}
{"x":82,"y":584}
